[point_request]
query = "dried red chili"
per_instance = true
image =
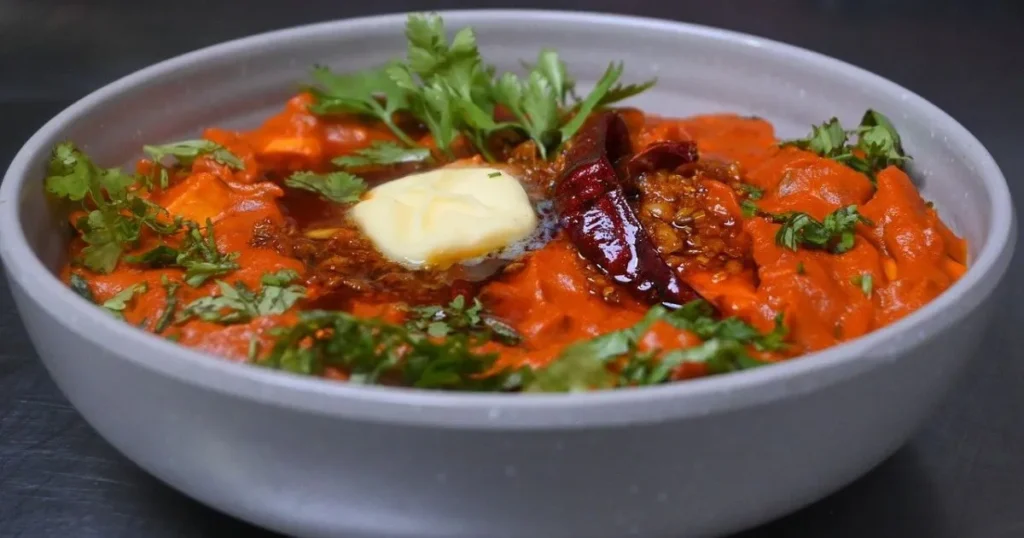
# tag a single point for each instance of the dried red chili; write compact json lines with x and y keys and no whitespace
{"x":591,"y":201}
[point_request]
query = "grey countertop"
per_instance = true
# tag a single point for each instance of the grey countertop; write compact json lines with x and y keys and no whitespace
{"x":961,"y":476}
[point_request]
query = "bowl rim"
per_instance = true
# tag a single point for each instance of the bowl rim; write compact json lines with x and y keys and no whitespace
{"x":697,"y":397}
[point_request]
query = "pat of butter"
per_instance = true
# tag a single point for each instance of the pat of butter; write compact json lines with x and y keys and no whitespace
{"x":444,"y":216}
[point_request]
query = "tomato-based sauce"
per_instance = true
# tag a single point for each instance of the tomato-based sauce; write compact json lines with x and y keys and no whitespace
{"x":716,"y":227}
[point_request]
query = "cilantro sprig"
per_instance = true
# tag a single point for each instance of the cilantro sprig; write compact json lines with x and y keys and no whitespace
{"x":878,"y":144}
{"x":449,"y":88}
{"x":340,"y":187}
{"x":370,"y":93}
{"x":185,"y":153}
{"x":238,"y":304}
{"x":117,"y":304}
{"x":835,"y":234}
{"x":382,"y":154}
{"x":115,"y":213}
{"x":116,"y":216}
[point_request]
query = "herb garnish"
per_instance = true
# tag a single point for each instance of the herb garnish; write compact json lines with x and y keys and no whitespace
{"x":450,"y":89}
{"x":835,"y":234}
{"x":156,"y":257}
{"x":371,"y":93}
{"x":239,"y":304}
{"x":749,"y":208}
{"x":382,"y":154}
{"x":170,"y":304}
{"x":185,"y":153}
{"x":340,"y":187}
{"x":115,"y":216}
{"x":200,"y":257}
{"x":865,"y":282}
{"x":375,"y":352}
{"x":592,"y":364}
{"x":753,"y":192}
{"x":456,"y":317}
{"x":119,"y":302}
{"x":878,"y":144}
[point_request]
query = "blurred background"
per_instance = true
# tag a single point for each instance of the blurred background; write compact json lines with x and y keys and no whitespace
{"x":960,"y":477}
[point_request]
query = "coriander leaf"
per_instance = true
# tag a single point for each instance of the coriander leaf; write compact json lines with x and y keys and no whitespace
{"x":69,"y":174}
{"x":239,"y":304}
{"x":235,"y":304}
{"x":721,"y":355}
{"x":458,"y":318}
{"x":186,"y":152}
{"x":835,"y":233}
{"x":340,"y":187}
{"x":878,"y":144}
{"x":371,"y":93}
{"x":81,"y":286}
{"x":382,"y":154}
{"x":278,"y":294}
{"x":585,"y":365}
{"x":370,"y":351}
{"x":775,"y":340}
{"x":119,"y":302}
{"x":592,"y":101}
{"x":753,"y":192}
{"x":103,"y":251}
{"x":749,"y":208}
{"x":200,"y":257}
{"x":448,"y":86}
{"x":170,"y":305}
{"x":115,"y":216}
{"x":156,"y":257}
{"x":553,"y":69}
{"x":865,"y":282}
{"x":621,"y":92}
{"x":588,"y":365}
{"x":697,"y":317}
{"x":828,"y":140}
{"x":575,"y":370}
{"x":534,"y":103}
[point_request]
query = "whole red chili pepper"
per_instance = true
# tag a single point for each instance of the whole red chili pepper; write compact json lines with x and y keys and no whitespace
{"x":591,"y":201}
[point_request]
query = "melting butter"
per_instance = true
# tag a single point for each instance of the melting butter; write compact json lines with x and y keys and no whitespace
{"x":444,"y":216}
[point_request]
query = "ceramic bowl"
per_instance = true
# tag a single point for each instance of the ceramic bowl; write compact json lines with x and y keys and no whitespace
{"x":311,"y":457}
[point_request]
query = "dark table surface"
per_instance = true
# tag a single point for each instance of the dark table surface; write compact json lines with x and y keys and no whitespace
{"x":961,"y":476}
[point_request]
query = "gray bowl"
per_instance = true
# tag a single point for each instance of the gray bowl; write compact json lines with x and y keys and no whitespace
{"x":318,"y":458}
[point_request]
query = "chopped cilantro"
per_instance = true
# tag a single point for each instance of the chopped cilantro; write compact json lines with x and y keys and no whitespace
{"x":185,"y":153}
{"x":340,"y":187}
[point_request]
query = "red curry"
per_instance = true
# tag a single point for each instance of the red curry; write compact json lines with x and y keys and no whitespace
{"x":751,"y":228}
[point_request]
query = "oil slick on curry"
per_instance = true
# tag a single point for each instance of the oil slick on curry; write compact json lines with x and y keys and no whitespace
{"x":434,"y":223}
